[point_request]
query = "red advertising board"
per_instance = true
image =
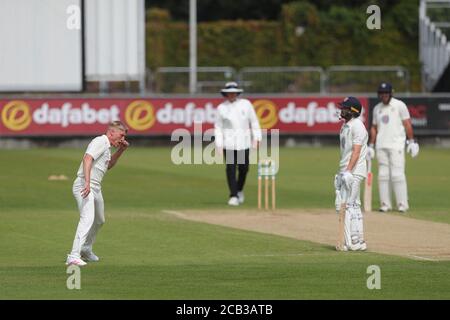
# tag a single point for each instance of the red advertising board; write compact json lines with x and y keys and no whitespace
{"x":78,"y":117}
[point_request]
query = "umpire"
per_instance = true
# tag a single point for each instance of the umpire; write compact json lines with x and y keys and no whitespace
{"x":236,"y":130}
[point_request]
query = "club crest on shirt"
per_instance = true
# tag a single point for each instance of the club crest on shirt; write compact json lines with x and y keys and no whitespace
{"x":385,"y":118}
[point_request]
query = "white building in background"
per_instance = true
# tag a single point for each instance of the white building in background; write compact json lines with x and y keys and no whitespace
{"x":43,"y":47}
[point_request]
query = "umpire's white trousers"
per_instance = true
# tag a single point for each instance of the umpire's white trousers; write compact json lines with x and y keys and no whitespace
{"x":92,"y":217}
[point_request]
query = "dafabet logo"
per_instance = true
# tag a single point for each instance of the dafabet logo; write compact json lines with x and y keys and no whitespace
{"x":267,"y":113}
{"x":16,"y":115}
{"x":139,"y":115}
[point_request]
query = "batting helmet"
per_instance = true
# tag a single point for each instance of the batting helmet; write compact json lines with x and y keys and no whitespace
{"x":350,"y":108}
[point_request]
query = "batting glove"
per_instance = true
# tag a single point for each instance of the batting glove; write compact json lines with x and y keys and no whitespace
{"x":370,"y":152}
{"x":337,"y":201}
{"x":337,"y":182}
{"x":412,"y":147}
{"x":347,"y":179}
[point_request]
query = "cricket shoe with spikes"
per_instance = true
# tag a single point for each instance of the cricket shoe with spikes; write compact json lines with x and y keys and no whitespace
{"x":75,"y":261}
{"x":89,"y":256}
{"x":402,"y":208}
{"x":362,"y":246}
{"x":241,"y":197}
{"x":355,"y":247}
{"x":233,"y":201}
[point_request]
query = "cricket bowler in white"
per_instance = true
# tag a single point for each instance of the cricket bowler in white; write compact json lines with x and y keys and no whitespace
{"x":88,"y":193}
{"x":352,"y":171}
{"x":391,"y":124}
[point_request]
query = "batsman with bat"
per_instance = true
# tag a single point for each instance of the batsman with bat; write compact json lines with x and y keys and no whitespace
{"x":352,"y":171}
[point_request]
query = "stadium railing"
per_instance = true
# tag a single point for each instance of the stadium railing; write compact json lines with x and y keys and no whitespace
{"x":280,"y":80}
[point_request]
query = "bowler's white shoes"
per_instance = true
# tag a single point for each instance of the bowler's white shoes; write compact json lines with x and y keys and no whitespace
{"x":75,"y":261}
{"x":384,"y":208}
{"x":89,"y":256}
{"x":402,"y":208}
{"x":234,"y":201}
{"x":241,"y":197}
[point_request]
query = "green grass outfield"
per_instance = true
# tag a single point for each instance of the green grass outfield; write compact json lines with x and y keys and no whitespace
{"x":147,"y":254}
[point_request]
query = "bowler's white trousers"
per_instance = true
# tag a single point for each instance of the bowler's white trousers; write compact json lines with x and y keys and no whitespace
{"x":92,"y":217}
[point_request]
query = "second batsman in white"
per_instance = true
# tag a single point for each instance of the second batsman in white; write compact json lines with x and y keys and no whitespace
{"x":88,"y":193}
{"x":391,"y":124}
{"x":352,"y":171}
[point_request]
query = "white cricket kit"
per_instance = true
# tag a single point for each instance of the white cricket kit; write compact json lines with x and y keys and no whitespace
{"x":99,"y":149}
{"x":354,"y":132}
{"x":390,"y":146}
{"x":92,"y":207}
{"x":235,"y":125}
{"x":389,"y":121}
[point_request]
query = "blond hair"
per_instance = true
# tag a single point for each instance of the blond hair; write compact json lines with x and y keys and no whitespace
{"x":118,"y":125}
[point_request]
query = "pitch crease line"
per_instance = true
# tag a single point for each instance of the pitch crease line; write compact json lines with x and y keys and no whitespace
{"x":421,"y":258}
{"x":273,"y":255}
{"x":175,"y":213}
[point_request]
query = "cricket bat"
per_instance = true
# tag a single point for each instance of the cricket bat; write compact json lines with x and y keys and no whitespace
{"x":341,"y":239}
{"x":368,"y":188}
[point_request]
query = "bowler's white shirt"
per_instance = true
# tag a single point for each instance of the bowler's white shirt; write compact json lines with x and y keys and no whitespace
{"x":389,"y":121}
{"x":236,"y":124}
{"x":99,"y":149}
{"x":354,"y":132}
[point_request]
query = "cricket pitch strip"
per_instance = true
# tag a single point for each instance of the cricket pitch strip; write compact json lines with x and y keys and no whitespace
{"x":385,"y":233}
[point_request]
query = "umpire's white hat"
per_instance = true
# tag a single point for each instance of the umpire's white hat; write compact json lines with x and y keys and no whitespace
{"x":231,"y":87}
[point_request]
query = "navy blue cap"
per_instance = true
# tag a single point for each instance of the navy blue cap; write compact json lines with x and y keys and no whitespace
{"x":385,"y":87}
